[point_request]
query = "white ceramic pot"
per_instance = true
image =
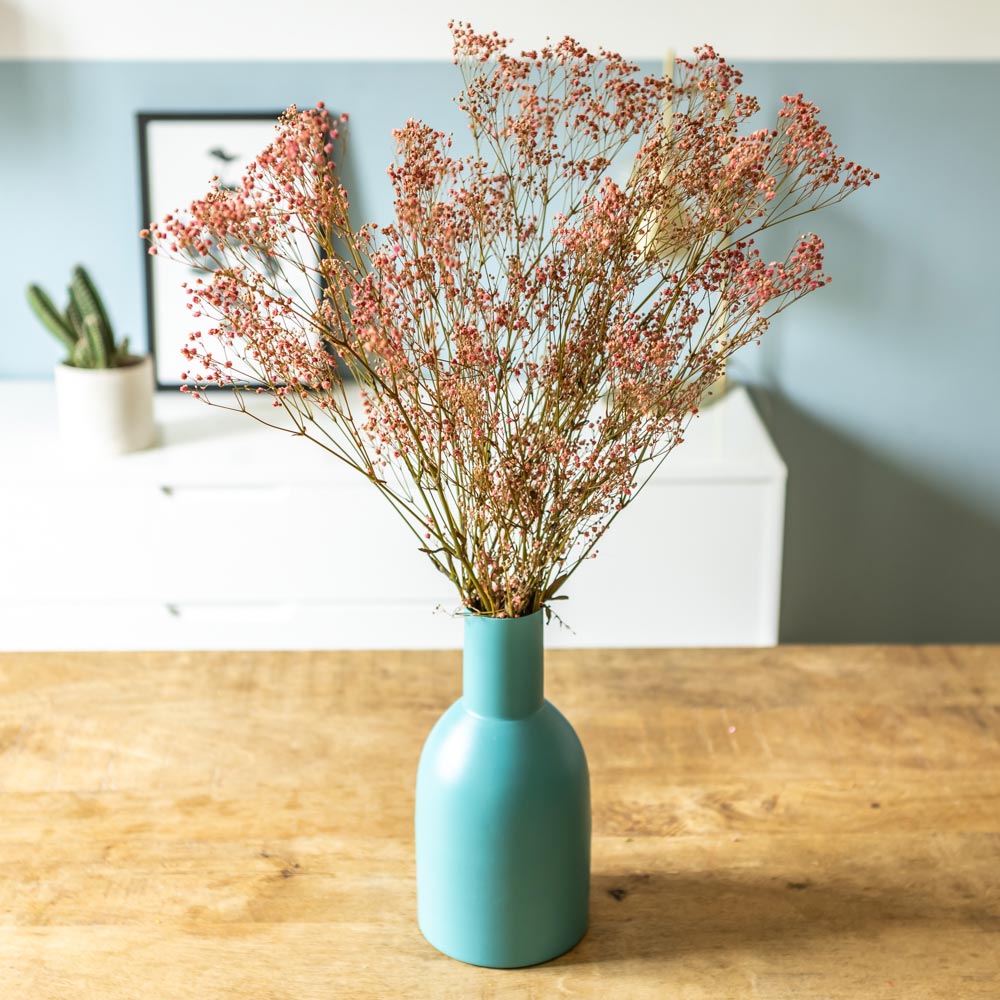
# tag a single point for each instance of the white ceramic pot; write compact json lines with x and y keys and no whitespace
{"x":106,"y":411}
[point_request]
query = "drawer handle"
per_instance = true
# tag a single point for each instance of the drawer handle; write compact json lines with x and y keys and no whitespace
{"x":251,"y":613}
{"x":249,"y":492}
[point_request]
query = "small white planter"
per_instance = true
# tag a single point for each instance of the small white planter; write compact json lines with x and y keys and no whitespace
{"x":106,"y":411}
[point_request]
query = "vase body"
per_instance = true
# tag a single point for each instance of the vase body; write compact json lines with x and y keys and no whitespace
{"x":106,"y":411}
{"x":503,"y":810}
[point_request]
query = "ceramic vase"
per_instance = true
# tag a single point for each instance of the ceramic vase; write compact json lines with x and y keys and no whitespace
{"x":503,"y":809}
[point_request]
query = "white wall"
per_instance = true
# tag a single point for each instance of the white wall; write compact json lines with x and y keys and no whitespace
{"x":416,"y":29}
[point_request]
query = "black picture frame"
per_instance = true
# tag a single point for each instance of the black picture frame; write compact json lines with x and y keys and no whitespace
{"x":163,"y":344}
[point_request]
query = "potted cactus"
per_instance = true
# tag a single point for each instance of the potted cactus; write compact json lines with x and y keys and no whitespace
{"x":104,"y":394}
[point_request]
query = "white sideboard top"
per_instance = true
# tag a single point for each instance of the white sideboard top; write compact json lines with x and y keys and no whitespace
{"x":207,"y":444}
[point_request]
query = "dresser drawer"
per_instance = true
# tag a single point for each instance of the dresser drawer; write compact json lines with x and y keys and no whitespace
{"x":79,"y":542}
{"x":306,"y":542}
{"x":176,"y":543}
{"x":143,"y":625}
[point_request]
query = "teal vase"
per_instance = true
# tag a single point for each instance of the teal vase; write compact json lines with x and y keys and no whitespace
{"x":503,"y":810}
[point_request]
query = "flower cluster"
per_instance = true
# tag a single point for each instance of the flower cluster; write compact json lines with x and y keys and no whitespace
{"x":529,"y":336}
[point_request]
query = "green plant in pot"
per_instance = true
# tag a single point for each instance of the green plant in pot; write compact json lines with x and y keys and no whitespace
{"x":104,"y":394}
{"x":83,"y":328}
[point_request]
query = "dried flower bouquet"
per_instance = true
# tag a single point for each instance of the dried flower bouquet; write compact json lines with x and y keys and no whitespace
{"x":530,"y":335}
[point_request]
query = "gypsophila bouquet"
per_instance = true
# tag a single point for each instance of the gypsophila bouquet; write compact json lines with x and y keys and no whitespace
{"x":527,"y":340}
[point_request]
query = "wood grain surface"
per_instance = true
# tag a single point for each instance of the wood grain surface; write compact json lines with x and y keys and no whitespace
{"x":804,"y":822}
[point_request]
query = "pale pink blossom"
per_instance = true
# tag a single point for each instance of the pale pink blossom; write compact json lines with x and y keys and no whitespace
{"x":532,"y":332}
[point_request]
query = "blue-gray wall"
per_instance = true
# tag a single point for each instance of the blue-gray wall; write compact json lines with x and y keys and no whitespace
{"x":880,"y":391}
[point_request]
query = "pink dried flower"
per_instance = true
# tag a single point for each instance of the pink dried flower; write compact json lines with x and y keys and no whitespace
{"x":530,"y":336}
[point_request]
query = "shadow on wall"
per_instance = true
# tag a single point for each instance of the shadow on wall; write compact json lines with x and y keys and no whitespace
{"x":871,"y":553}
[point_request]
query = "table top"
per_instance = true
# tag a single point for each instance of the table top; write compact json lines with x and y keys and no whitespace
{"x":800,"y":822}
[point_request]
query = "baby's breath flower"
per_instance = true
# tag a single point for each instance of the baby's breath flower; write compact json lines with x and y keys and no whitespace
{"x":532,"y":333}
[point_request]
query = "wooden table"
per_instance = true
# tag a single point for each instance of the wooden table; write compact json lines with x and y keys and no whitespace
{"x":806,"y":822}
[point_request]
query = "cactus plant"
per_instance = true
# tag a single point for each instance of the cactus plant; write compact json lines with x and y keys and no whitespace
{"x":84,"y":328}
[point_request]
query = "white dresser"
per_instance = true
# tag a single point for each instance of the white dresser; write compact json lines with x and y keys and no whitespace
{"x":230,"y":535}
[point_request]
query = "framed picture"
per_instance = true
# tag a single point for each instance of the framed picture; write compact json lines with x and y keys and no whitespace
{"x":179,"y":154}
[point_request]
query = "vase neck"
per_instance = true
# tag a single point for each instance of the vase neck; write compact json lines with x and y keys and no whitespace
{"x":503,"y":673}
